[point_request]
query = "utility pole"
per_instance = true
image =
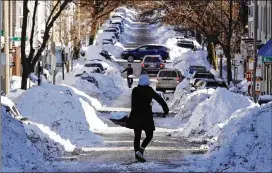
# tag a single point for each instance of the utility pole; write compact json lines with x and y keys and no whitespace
{"x":6,"y":46}
{"x":1,"y":65}
{"x":10,"y":35}
{"x":255,"y":19}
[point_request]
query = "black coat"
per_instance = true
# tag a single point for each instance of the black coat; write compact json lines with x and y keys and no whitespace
{"x":141,"y":116}
{"x":129,"y":71}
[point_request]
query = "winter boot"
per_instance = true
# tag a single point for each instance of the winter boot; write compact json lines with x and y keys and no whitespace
{"x":139,"y":157}
{"x":141,"y":150}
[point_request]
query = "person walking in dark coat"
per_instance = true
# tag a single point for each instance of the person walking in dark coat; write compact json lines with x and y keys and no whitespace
{"x":129,"y":71}
{"x":141,"y":116}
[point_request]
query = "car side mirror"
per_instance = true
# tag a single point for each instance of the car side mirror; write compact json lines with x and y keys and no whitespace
{"x":167,"y":98}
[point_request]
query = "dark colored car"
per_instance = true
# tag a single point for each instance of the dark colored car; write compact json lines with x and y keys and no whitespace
{"x":192,"y":69}
{"x":152,"y":64}
{"x":140,"y":52}
{"x":197,"y":76}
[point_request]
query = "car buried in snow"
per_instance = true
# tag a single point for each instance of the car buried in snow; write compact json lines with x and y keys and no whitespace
{"x":208,"y":83}
{"x":197,"y":76}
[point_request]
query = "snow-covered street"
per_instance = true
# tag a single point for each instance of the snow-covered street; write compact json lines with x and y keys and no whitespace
{"x":68,"y":127}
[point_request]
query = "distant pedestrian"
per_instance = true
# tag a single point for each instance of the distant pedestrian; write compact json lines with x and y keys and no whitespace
{"x":141,"y":116}
{"x":129,"y":71}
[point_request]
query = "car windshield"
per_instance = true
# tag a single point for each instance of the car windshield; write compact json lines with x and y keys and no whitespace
{"x":184,"y":45}
{"x":168,"y":74}
{"x":152,"y":59}
{"x":204,"y":75}
{"x":212,"y":84}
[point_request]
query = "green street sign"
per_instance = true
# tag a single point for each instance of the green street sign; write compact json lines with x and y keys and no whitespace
{"x":2,"y":33}
{"x":18,"y":39}
{"x":267,"y":59}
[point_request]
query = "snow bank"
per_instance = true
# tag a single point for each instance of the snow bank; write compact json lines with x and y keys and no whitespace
{"x":175,"y":50}
{"x":186,"y":105}
{"x":214,"y":110}
{"x":25,"y":152}
{"x":15,"y":83}
{"x":187,"y":59}
{"x":62,"y":111}
{"x":243,"y":145}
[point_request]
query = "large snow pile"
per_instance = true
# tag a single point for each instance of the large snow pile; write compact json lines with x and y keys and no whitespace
{"x":175,"y":50}
{"x":62,"y":112}
{"x":186,"y":105}
{"x":23,"y":151}
{"x":213,"y":111}
{"x":243,"y":145}
{"x":187,"y":59}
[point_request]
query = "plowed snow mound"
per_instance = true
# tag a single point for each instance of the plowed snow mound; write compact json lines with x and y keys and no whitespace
{"x":214,"y":110}
{"x":63,"y":112}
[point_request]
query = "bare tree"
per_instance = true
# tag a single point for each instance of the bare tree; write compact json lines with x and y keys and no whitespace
{"x":221,"y":22}
{"x":30,"y":61}
{"x":95,"y":10}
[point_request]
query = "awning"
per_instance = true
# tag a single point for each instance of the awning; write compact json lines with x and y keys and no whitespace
{"x":266,"y":50}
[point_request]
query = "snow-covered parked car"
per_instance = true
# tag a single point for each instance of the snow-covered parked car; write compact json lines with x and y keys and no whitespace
{"x":11,"y":108}
{"x":91,"y":79}
{"x":263,"y":99}
{"x":98,"y":65}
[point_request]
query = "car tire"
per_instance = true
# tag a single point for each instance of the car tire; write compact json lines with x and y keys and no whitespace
{"x":130,"y":58}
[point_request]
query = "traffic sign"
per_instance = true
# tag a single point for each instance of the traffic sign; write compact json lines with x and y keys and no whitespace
{"x":1,"y":32}
{"x":249,"y":75}
{"x":267,"y":59}
{"x":18,"y":39}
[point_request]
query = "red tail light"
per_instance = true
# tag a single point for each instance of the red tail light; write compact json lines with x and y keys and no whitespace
{"x":178,"y":79}
{"x":161,"y":65}
{"x":142,"y":64}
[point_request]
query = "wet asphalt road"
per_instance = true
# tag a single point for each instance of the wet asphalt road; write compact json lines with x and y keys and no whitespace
{"x":164,"y":152}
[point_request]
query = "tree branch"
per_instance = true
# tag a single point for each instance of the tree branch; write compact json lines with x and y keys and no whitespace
{"x":32,"y":51}
{"x":46,"y":33}
{"x":23,"y":34}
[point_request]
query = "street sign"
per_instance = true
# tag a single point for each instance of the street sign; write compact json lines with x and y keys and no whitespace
{"x":249,"y":75}
{"x":267,"y":59}
{"x":1,"y":32}
{"x":18,"y":39}
{"x":259,"y":72}
{"x":258,"y":85}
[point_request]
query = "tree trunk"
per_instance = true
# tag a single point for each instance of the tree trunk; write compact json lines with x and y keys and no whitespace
{"x":93,"y":32}
{"x":26,"y":71}
{"x":228,"y":56}
{"x":211,"y":55}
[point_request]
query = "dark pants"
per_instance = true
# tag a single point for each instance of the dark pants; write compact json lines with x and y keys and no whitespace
{"x":129,"y":81}
{"x":137,"y":138}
